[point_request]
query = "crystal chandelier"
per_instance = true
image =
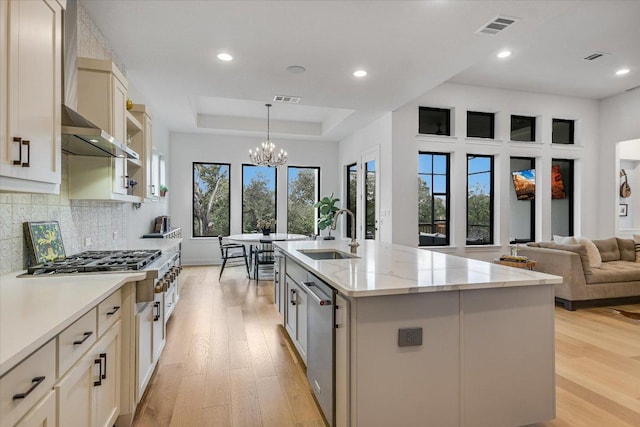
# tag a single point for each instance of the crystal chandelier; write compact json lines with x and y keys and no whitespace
{"x":266,"y":155}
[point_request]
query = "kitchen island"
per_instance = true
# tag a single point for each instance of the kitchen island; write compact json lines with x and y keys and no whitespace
{"x":480,"y":336}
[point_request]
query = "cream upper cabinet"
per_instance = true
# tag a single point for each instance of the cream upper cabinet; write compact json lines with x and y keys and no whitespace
{"x":30,"y":95}
{"x":142,"y":143}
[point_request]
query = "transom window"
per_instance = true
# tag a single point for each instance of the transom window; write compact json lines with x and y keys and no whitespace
{"x":434,"y":121}
{"x":523,"y":128}
{"x":479,"y":200}
{"x":433,"y":199}
{"x":562,"y":131}
{"x":480,"y":125}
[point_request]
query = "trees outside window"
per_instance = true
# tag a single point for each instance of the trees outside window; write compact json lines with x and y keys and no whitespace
{"x":258,"y":195}
{"x":303,"y":192}
{"x":211,"y":199}
{"x":370,"y":199}
{"x":479,"y":200}
{"x":433,"y":199}
{"x":352,"y":192}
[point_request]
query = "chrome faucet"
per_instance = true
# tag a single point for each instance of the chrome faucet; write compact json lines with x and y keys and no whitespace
{"x":353,"y":244}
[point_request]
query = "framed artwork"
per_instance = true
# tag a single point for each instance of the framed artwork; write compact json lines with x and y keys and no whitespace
{"x":622,"y":209}
{"x":44,"y":240}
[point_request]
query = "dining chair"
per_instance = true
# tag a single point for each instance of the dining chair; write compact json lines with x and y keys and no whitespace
{"x":263,"y":256}
{"x":233,"y":252}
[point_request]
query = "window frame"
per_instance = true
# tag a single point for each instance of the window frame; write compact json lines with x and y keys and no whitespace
{"x":492,"y":116}
{"x":533,"y":127}
{"x":348,"y":205}
{"x":193,"y":236}
{"x":447,"y":194}
{"x":447,"y":112}
{"x":532,"y":202}
{"x":572,"y":131}
{"x":275,"y":196}
{"x":318,"y":192}
{"x":491,"y":200}
{"x":569,"y":190}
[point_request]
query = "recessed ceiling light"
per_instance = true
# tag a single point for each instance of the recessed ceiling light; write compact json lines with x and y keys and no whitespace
{"x":622,"y":72}
{"x":225,"y":57}
{"x":504,"y":54}
{"x":360,"y":73}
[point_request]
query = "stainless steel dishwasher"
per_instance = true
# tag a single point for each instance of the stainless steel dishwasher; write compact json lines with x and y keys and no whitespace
{"x":321,"y":322}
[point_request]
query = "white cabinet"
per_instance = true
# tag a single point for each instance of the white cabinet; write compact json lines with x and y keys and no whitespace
{"x":343,"y":372}
{"x":30,"y":95}
{"x":296,"y":316}
{"x":279,"y":294}
{"x":142,"y":143}
{"x":43,"y":414}
{"x":102,"y":99}
{"x":150,"y":327}
{"x":89,"y":394}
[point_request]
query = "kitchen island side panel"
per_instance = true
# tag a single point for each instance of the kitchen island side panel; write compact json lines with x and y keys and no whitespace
{"x":406,"y":386}
{"x":508,"y":368}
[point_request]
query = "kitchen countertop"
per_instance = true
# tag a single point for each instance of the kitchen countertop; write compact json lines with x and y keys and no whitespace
{"x":34,"y":310}
{"x":388,"y":269}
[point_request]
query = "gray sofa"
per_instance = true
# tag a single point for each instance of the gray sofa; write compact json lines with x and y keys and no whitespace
{"x":617,"y":281}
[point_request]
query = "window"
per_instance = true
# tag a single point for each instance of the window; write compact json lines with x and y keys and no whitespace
{"x":523,"y":128}
{"x":522,"y":200}
{"x":480,"y":125}
{"x":351,"y":192}
{"x":433,"y":199}
{"x":562,"y":132}
{"x":562,"y":197}
{"x":370,"y":199}
{"x":303,"y":191}
{"x":258,"y":195}
{"x":479,"y":200}
{"x":435,"y":121}
{"x":211,"y":199}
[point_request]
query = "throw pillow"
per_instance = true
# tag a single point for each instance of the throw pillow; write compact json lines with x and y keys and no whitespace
{"x":636,"y":238}
{"x":608,"y":249}
{"x":565,"y":240}
{"x":595,"y":260}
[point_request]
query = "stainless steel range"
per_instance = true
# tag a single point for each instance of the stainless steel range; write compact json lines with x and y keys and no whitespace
{"x":98,"y":261}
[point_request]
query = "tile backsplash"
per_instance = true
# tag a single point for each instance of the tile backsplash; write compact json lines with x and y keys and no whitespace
{"x":105,"y":223}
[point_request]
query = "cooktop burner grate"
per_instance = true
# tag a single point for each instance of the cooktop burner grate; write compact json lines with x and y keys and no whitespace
{"x":96,"y":261}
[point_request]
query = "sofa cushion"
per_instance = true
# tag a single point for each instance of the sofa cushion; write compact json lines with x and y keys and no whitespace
{"x":615,"y":271}
{"x":579,"y":249}
{"x":636,"y":238}
{"x":627,"y":249}
{"x":565,"y":240}
{"x":595,"y":260}
{"x":608,"y":249}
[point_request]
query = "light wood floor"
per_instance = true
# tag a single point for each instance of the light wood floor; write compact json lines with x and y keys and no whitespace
{"x":227,"y":363}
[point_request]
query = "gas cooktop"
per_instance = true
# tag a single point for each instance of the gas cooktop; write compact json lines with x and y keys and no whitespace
{"x":97,"y":261}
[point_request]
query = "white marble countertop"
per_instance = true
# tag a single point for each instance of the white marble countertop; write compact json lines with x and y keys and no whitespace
{"x":386,"y":269}
{"x":33,"y":310}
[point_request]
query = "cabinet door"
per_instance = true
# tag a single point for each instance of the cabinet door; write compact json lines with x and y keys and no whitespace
{"x":76,"y":393}
{"x":158,"y":326}
{"x":342,"y":361}
{"x":151,"y":190}
{"x":291,"y":312}
{"x":43,"y":414}
{"x":144,"y":350}
{"x":107,"y":404}
{"x":30,"y":146}
{"x":120,"y":177}
{"x":302,"y":324}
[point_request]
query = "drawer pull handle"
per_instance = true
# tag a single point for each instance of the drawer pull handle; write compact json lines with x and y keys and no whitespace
{"x":156,"y":305}
{"x":19,"y":141}
{"x":86,"y":336}
{"x":34,"y":383}
{"x":99,"y":382}
{"x":104,"y":357}
{"x":115,"y":309}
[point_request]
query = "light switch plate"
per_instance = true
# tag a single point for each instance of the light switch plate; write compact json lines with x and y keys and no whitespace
{"x":408,"y":337}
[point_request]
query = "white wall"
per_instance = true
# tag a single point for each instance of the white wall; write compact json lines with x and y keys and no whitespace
{"x":407,"y":144}
{"x":619,"y":121}
{"x":188,"y":148}
{"x":373,"y":137}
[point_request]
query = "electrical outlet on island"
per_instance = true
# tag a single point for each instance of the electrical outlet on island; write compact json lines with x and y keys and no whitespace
{"x":88,"y":241}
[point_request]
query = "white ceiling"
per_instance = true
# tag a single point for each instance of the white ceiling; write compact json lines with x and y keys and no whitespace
{"x":408,"y":47}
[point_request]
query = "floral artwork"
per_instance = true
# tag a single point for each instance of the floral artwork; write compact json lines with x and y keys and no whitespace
{"x":45,"y":240}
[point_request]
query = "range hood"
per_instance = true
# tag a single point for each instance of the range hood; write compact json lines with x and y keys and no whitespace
{"x":80,"y":137}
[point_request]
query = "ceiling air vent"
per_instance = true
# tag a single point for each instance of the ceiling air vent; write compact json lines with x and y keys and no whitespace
{"x":286,"y":99}
{"x":595,"y":55}
{"x":496,"y":25}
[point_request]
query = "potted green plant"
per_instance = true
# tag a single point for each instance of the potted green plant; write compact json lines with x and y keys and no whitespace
{"x":265,"y":225}
{"x":163,"y":190}
{"x":328,"y":209}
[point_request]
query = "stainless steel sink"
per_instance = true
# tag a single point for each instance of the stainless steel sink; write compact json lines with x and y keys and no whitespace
{"x":321,"y":254}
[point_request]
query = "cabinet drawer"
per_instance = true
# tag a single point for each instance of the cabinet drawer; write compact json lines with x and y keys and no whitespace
{"x":44,"y":413}
{"x":109,"y":312}
{"x":297,"y":273}
{"x":74,"y":341}
{"x":32,"y":378}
